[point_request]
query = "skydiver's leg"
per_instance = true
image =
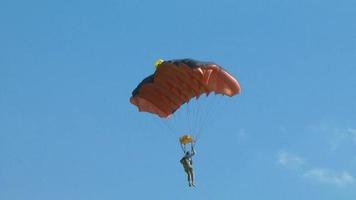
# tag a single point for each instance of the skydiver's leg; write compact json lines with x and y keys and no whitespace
{"x":191,"y":172}
{"x":189,"y":177}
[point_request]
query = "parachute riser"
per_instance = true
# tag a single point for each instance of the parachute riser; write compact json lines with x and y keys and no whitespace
{"x":186,"y":147}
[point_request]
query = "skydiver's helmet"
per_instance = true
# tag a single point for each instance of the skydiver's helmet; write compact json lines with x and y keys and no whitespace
{"x":187,"y":153}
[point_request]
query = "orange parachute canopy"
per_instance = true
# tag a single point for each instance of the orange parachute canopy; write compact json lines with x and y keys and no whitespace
{"x":175,"y":82}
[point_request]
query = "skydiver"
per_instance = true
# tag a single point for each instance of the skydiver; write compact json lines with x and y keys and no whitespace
{"x":187,"y":163}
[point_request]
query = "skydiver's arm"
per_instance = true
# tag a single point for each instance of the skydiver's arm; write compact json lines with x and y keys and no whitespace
{"x":183,"y":147}
{"x":193,"y":151}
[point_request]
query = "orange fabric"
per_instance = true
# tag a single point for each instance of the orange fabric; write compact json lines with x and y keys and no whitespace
{"x":175,"y":85}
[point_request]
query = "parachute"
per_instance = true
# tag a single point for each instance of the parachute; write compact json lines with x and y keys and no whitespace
{"x":176,"y":82}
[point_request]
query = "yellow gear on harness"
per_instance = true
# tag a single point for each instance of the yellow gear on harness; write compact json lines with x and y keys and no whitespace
{"x":158,"y":62}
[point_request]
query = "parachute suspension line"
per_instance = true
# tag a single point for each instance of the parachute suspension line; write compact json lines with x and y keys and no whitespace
{"x":187,"y":110}
{"x":183,"y":147}
{"x":197,"y":118}
{"x":189,"y":117}
{"x":203,"y":115}
{"x":192,"y":117}
{"x":167,"y":126}
{"x":212,"y":114}
{"x":191,"y":113}
{"x":213,"y":105}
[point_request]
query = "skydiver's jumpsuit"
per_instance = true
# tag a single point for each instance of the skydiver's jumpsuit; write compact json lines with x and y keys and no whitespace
{"x":187,"y":163}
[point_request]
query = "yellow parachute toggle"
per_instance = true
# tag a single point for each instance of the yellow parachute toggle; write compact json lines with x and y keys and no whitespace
{"x":185,"y":139}
{"x":158,"y":62}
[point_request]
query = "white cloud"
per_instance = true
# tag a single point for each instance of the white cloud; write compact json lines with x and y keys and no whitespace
{"x":335,"y":137}
{"x":315,"y":174}
{"x":352,"y":133}
{"x":320,"y":175}
{"x":289,"y":160}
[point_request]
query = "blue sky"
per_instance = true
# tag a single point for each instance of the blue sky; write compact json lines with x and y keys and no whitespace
{"x":68,"y":131}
